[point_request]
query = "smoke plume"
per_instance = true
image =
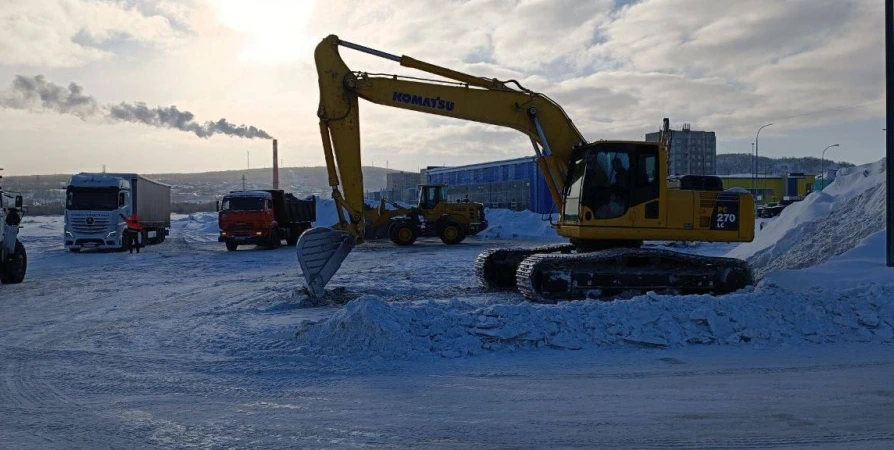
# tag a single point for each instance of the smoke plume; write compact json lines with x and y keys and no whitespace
{"x":31,"y":93}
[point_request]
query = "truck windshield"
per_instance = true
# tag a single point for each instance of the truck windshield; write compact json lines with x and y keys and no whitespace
{"x":92,"y":199}
{"x":242,"y":204}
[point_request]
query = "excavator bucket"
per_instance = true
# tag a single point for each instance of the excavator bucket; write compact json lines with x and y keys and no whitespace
{"x":321,"y":251}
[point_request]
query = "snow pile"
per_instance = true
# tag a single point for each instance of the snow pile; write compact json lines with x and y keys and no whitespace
{"x":370,"y":327}
{"x":864,"y":265}
{"x":197,"y":227}
{"x":508,"y":224}
{"x":825,"y":224}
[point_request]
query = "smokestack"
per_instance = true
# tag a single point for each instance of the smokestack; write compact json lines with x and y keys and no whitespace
{"x":275,"y":167}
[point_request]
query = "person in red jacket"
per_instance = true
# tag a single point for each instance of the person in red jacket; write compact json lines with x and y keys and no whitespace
{"x":132,"y":232}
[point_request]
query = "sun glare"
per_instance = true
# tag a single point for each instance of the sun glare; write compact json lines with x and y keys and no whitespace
{"x":275,"y":30}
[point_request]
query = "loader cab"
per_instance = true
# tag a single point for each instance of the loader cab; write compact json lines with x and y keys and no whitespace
{"x":607,"y":179}
{"x":430,"y":195}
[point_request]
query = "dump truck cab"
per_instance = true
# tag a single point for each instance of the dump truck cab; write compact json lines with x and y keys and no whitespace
{"x":263,"y":217}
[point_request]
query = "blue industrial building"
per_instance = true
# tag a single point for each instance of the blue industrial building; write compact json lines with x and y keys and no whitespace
{"x":515,"y":184}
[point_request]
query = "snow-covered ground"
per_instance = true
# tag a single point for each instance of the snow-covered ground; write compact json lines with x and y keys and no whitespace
{"x":188,"y":345}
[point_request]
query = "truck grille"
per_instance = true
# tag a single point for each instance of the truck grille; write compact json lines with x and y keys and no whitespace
{"x":89,"y":225}
{"x":242,"y":228}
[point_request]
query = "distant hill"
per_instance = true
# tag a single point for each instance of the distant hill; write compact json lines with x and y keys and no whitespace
{"x":739,"y":163}
{"x":202,"y":188}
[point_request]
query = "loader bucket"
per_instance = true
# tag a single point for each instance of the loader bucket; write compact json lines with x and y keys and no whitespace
{"x":321,"y":251}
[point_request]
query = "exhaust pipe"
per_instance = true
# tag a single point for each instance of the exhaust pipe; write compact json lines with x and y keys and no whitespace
{"x":275,"y":167}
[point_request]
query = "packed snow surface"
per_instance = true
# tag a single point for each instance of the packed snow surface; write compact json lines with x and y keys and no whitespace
{"x":188,"y":345}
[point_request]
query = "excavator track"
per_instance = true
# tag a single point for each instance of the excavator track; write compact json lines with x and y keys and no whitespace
{"x":548,"y":278}
{"x":495,"y":268}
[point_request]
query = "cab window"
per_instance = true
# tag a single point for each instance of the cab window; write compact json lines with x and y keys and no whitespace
{"x":607,"y":185}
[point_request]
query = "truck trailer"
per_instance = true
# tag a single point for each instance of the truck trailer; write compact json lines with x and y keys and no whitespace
{"x":98,"y":204}
{"x":263,"y":217}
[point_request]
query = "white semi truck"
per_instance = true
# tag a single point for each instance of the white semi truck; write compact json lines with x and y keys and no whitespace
{"x":97,"y":205}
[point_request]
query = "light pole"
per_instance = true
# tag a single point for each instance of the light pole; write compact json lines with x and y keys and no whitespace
{"x":752,"y":170}
{"x":823,"y":163}
{"x":757,"y":150}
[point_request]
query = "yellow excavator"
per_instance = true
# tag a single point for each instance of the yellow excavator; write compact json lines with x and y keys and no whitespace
{"x":612,"y":196}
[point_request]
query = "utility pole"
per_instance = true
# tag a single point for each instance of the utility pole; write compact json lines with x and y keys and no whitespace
{"x":889,"y":122}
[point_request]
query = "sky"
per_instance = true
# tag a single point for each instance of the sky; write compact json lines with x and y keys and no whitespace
{"x":813,"y":68}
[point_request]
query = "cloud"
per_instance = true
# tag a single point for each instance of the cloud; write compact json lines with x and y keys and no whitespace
{"x":70,"y":33}
{"x":617,"y":67}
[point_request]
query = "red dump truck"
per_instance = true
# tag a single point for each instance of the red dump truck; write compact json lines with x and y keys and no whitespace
{"x":263,"y":217}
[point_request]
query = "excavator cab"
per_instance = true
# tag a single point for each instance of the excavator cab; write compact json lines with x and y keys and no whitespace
{"x":430,"y":195}
{"x":607,"y":180}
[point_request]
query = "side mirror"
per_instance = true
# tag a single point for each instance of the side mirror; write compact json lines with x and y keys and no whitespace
{"x":217,"y":205}
{"x":19,"y":201}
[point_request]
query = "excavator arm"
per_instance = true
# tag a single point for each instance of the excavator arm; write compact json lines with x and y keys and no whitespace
{"x":462,"y":96}
{"x":467,"y":97}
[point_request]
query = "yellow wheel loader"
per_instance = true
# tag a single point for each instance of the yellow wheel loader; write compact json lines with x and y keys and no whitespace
{"x":612,"y":195}
{"x":432,"y":215}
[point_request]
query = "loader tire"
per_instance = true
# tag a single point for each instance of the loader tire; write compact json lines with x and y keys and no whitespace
{"x":451,"y":233}
{"x":13,"y":270}
{"x":232,"y":246}
{"x":404,"y":233}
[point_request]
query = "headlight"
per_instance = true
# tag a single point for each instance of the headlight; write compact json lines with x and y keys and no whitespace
{"x":68,"y":233}
{"x":112,"y":233}
{"x":258,"y":233}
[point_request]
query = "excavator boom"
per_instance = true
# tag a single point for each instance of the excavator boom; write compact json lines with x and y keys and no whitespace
{"x":466,"y":97}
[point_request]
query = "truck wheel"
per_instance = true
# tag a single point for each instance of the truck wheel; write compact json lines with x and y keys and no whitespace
{"x":13,"y":270}
{"x":403,"y":233}
{"x":451,"y":233}
{"x":232,"y":246}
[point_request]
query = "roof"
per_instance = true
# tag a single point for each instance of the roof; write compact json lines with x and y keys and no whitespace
{"x":504,"y":162}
